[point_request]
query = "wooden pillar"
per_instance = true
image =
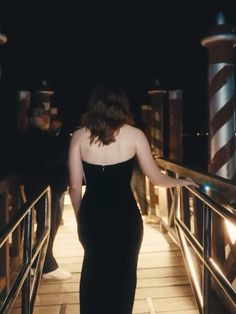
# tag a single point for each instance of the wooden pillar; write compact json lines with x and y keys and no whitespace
{"x":150,"y":193}
{"x":146,"y":112}
{"x":23,"y":103}
{"x":157,"y":128}
{"x":174,"y":135}
{"x":156,"y":100}
{"x":3,"y":40}
{"x":175,"y":125}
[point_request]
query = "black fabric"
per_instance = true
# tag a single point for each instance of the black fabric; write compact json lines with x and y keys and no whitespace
{"x":110,"y":229}
{"x":59,"y":173}
{"x":139,"y":188}
{"x":43,"y":163}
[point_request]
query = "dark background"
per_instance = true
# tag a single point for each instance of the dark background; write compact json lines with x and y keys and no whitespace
{"x":76,"y":45}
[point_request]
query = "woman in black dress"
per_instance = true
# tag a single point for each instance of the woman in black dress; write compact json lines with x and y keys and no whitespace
{"x":110,"y":225}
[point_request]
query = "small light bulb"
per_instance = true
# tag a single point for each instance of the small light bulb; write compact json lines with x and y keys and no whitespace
{"x":206,"y":187}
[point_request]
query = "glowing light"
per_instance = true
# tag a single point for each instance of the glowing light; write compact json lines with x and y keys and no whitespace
{"x":219,"y":270}
{"x":231,"y":229}
{"x":215,"y":265}
{"x":206,"y":188}
{"x":198,"y":134}
{"x":192,"y":269}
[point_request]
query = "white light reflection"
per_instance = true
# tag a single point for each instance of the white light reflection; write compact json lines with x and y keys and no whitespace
{"x":215,"y":265}
{"x":219,"y":270}
{"x":231,"y":229}
{"x":207,"y":188}
{"x":192,"y":269}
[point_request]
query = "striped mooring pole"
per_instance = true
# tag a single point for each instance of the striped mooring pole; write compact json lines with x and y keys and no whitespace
{"x":220,"y":41}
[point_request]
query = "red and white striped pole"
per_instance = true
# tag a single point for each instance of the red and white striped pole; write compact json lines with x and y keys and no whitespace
{"x":220,"y":42}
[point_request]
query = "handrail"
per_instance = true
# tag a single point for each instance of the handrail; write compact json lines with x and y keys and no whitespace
{"x":203,"y":246}
{"x":217,"y":208}
{"x":22,"y":281}
{"x":220,"y":185}
{"x":206,"y":259}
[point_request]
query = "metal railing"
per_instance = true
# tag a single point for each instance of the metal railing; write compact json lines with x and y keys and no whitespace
{"x":24,"y":283}
{"x":200,"y":218}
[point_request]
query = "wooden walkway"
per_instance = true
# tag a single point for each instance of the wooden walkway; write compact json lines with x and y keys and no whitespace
{"x":163,"y":286}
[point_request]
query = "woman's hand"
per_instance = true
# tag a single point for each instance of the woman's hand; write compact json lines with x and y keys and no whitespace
{"x":188,"y":182}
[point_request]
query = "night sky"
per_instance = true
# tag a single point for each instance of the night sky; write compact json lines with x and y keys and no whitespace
{"x":78,"y":44}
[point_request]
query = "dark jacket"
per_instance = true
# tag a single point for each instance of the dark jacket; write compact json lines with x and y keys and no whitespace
{"x":43,"y":160}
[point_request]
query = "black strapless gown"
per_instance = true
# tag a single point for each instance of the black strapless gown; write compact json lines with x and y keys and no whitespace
{"x":110,"y":229}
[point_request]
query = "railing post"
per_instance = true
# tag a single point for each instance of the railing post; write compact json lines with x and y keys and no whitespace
{"x":4,"y":250}
{"x":25,"y":307}
{"x":198,"y":221}
{"x":206,"y":255}
{"x":16,"y":235}
{"x":184,"y":208}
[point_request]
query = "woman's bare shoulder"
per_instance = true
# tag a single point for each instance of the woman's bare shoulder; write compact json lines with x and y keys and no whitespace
{"x":133,"y":131}
{"x":80,"y":133}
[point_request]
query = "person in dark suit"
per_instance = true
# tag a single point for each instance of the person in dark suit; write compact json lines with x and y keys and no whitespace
{"x":43,"y":160}
{"x":62,"y":139}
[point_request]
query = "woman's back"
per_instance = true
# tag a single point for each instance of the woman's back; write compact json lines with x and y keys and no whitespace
{"x":109,"y":225}
{"x":109,"y":222}
{"x":96,"y":153}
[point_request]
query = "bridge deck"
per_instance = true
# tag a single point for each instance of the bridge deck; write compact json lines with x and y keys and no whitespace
{"x":163,"y":285}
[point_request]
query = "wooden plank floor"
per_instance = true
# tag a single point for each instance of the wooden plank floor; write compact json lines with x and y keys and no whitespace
{"x":163,"y":285}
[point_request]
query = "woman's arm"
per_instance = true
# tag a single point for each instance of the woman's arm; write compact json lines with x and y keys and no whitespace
{"x":75,"y":172}
{"x":150,"y":168}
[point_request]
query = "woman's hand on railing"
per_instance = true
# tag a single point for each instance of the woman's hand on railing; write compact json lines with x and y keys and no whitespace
{"x":188,"y":182}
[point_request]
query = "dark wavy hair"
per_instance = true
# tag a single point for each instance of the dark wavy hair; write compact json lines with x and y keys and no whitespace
{"x":107,"y":112}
